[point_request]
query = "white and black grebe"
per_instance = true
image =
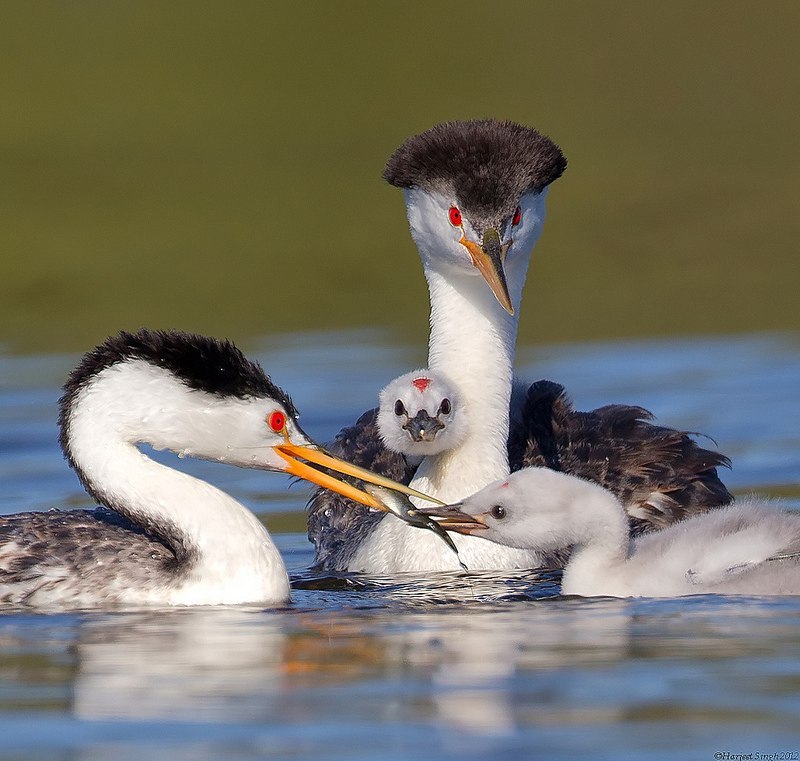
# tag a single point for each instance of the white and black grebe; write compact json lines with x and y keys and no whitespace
{"x":475,"y":197}
{"x":750,"y":547}
{"x":164,"y":537}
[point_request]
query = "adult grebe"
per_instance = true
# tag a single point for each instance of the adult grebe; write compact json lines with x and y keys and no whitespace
{"x":749,"y":547}
{"x":475,"y":196}
{"x":168,"y":538}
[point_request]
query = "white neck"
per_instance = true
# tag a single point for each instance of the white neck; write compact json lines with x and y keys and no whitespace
{"x":227,"y":555}
{"x":599,"y":529}
{"x":472,"y":341}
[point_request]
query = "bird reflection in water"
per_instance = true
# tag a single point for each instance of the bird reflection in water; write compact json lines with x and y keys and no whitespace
{"x":246,"y":665}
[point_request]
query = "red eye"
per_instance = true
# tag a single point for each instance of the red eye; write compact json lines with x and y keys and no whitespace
{"x":455,"y":216}
{"x":517,"y":217}
{"x":277,"y":421}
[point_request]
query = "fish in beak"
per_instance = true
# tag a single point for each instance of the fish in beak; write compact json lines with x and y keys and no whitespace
{"x":403,"y":508}
{"x":301,"y":460}
{"x":451,"y":518}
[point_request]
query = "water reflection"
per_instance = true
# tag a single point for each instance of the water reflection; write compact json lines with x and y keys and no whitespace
{"x":460,"y":668}
{"x":477,"y":669}
{"x":193,"y":665}
{"x":456,"y":678}
{"x":479,"y":662}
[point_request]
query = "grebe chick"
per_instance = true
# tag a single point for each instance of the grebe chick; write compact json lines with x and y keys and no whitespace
{"x":750,"y":547}
{"x":421,"y":414}
{"x":163,"y":537}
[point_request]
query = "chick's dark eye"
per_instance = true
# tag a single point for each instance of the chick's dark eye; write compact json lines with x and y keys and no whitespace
{"x":399,"y":408}
{"x":498,"y":511}
{"x":445,"y":407}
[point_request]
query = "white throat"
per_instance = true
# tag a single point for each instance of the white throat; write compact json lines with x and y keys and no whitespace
{"x":472,"y":341}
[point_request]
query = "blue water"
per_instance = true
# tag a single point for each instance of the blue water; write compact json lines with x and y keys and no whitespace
{"x":401,"y":668}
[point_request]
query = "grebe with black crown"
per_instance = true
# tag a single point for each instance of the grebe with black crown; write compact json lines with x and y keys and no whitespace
{"x":475,"y":196}
{"x":164,"y":537}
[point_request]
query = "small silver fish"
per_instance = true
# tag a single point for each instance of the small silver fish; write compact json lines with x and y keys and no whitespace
{"x":401,"y":506}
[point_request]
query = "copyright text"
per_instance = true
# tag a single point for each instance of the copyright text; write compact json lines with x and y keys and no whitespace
{"x":786,"y":755}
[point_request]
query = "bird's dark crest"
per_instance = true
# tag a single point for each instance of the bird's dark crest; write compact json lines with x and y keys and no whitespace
{"x":201,"y":363}
{"x":488,"y":164}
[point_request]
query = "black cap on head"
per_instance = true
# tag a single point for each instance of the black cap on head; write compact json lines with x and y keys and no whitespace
{"x":487,"y":164}
{"x":201,"y":363}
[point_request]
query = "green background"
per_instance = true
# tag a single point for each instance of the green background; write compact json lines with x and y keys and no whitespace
{"x":216,"y":166}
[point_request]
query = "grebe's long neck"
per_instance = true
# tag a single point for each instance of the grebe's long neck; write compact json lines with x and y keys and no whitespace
{"x":225,"y":554}
{"x":599,"y":531}
{"x":472,"y":341}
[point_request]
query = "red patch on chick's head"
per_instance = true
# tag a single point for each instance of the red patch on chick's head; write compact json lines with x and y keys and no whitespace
{"x":421,"y":383}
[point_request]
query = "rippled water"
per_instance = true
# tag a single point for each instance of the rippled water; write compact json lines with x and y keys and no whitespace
{"x":397,"y":668}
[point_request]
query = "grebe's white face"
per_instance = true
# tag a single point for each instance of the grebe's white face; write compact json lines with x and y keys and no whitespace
{"x":135,"y":401}
{"x":421,"y":414}
{"x":449,"y":241}
{"x":527,"y":232}
{"x":244,"y":432}
{"x":146,"y":403}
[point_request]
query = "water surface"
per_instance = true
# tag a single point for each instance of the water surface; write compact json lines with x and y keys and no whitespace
{"x":445,"y":668}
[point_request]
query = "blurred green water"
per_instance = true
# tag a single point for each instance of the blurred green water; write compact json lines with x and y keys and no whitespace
{"x":216,"y":166}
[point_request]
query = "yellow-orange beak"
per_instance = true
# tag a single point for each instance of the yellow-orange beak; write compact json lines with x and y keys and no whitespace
{"x":488,"y":260}
{"x":293,"y":454}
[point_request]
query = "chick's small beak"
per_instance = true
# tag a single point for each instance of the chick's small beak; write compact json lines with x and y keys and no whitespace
{"x":423,"y":427}
{"x":451,"y":517}
{"x":488,"y":259}
{"x":294,"y":454}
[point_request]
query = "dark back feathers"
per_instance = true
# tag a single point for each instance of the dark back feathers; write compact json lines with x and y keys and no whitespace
{"x":337,"y":525}
{"x":660,"y":474}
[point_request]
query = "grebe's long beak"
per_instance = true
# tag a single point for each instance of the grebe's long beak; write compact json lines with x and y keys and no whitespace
{"x":488,"y":259}
{"x":294,"y":454}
